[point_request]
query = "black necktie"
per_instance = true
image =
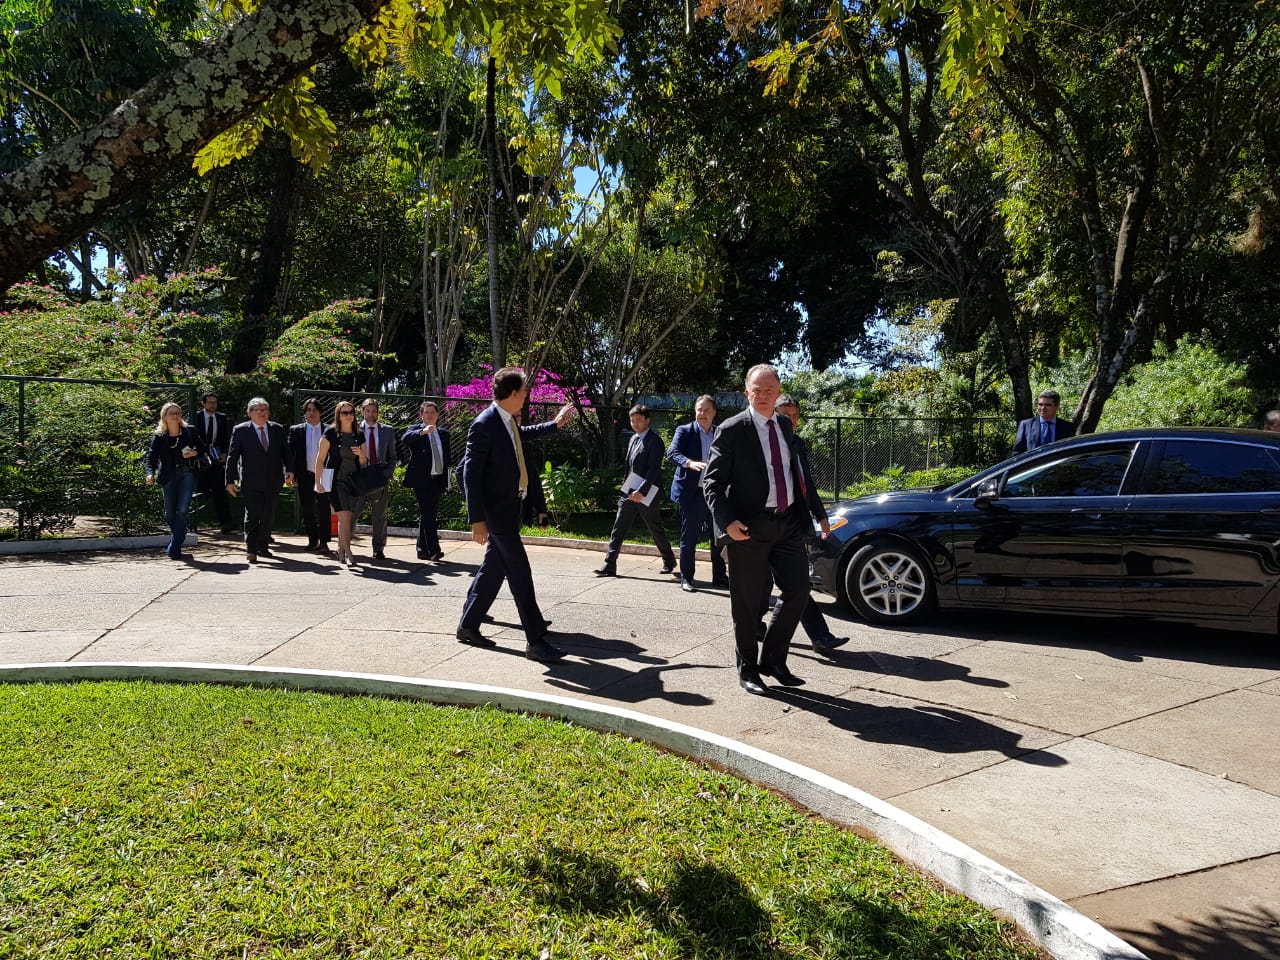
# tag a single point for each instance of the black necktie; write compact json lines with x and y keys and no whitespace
{"x":208,"y":428}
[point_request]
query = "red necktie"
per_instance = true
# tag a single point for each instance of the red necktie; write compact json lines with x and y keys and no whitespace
{"x":373,"y":445}
{"x":775,"y":458}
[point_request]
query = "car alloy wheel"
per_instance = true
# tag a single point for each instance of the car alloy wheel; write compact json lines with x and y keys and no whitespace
{"x":887,"y":583}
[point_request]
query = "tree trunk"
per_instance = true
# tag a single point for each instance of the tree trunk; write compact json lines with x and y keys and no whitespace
{"x":496,"y":333}
{"x":249,"y":337}
{"x":63,"y":193}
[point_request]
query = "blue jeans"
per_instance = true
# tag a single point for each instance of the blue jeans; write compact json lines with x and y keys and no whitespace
{"x":177,"y":501}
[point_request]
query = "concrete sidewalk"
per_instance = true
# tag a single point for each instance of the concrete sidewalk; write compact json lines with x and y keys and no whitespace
{"x":1133,"y":771}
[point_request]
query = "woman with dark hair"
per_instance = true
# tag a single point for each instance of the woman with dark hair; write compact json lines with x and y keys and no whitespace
{"x":342,"y":453}
{"x":173,"y":461}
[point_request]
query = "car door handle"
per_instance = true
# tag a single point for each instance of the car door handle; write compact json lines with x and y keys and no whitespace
{"x":1093,"y":513}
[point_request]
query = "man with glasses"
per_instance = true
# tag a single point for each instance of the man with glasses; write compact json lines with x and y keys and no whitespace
{"x":304,"y":444}
{"x":257,"y":465}
{"x":1045,"y":427}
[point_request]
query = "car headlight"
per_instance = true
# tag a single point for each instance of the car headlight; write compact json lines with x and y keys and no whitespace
{"x":837,"y":522}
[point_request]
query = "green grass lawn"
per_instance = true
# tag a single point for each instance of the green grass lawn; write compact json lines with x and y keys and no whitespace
{"x":143,"y":820}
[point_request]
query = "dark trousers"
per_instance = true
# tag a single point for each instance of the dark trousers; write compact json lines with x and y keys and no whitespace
{"x":814,"y":623}
{"x":695,"y":523}
{"x":378,"y":504}
{"x":259,"y":517}
{"x":651,"y":514}
{"x":504,"y":559}
{"x":213,"y":485}
{"x":428,"y":495}
{"x":774,"y":552}
{"x":314,"y":508}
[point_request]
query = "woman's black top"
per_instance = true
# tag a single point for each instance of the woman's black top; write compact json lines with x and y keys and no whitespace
{"x":164,"y":455}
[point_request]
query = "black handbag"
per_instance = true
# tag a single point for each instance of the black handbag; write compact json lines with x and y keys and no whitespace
{"x":366,"y":482}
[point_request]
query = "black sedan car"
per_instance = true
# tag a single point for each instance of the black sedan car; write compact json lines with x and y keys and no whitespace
{"x":1169,"y":524}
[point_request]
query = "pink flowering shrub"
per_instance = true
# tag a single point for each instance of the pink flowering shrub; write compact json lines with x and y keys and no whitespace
{"x":548,"y":388}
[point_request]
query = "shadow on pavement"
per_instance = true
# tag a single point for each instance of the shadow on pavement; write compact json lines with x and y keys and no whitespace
{"x":927,"y":727}
{"x":1224,"y":935}
{"x":918,"y":668}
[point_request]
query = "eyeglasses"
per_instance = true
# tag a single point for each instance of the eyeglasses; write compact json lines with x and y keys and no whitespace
{"x":346,"y":413}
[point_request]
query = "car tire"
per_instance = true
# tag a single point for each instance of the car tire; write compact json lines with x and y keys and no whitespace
{"x":888,"y":583}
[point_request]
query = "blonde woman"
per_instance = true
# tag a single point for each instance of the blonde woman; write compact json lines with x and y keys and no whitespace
{"x":342,"y":451}
{"x":173,"y":461}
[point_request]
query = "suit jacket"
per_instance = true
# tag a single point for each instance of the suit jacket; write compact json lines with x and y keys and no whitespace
{"x":421,"y":457}
{"x":221,"y":439}
{"x":1029,"y":433}
{"x":252,"y":467}
{"x":388,"y":456}
{"x":298,"y":461}
{"x":490,"y":472}
{"x":736,"y":481}
{"x":686,"y":445}
{"x":645,"y":460}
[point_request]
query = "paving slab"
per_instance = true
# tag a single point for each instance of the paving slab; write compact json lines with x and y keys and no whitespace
{"x":1069,"y":696}
{"x":42,"y":578}
{"x":49,"y":645}
{"x":1271,"y":686}
{"x":214,"y":643}
{"x":1101,"y":818}
{"x":1205,"y":736}
{"x":1239,"y":917}
{"x":82,"y":611}
{"x":394,"y":652}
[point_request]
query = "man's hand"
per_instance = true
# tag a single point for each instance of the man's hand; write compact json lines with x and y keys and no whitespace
{"x":635,"y":496}
{"x":825,"y":524}
{"x":288,"y":478}
{"x":737,"y":530}
{"x":428,"y":428}
{"x":564,"y":415}
{"x":480,"y":532}
{"x":698,"y":465}
{"x":231,"y":489}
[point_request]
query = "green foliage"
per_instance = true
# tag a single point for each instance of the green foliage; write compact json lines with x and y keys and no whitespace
{"x":318,"y":351}
{"x":899,"y":478}
{"x":572,"y":490}
{"x":1190,"y":385}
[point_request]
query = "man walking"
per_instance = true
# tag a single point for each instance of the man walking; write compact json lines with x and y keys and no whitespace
{"x":257,"y":464}
{"x":380,"y":448}
{"x":427,"y":475}
{"x":495,"y":477}
{"x":304,"y":446}
{"x":689,"y":450}
{"x":216,"y":430}
{"x":641,"y":494}
{"x":761,"y":506}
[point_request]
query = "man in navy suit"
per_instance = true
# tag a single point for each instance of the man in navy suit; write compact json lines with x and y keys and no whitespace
{"x":495,"y":478}
{"x":380,"y":448}
{"x":641,"y":493}
{"x":304,"y":446}
{"x":216,"y":430}
{"x":427,"y":475}
{"x":690,"y":447}
{"x":1045,"y":427}
{"x":257,"y":464}
{"x":761,"y":504}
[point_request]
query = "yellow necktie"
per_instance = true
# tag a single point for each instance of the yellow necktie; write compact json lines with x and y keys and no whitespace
{"x":524,"y":473}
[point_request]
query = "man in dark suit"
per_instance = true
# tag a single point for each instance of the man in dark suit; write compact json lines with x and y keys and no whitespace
{"x":257,"y":464}
{"x":495,"y":478}
{"x":761,"y":504}
{"x":427,"y":475}
{"x":380,"y":448}
{"x":641,"y":494}
{"x":812,"y":621}
{"x":690,"y":447}
{"x":1045,"y":427}
{"x":215,"y":429}
{"x":304,"y":446}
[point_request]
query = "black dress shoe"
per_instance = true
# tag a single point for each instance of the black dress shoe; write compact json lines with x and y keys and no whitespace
{"x":668,"y":568}
{"x":829,"y":643}
{"x":379,"y":555}
{"x":264,"y":552}
{"x":253,"y":558}
{"x":438,"y":555}
{"x":311,"y":545}
{"x":606,"y":571}
{"x":542,"y":651}
{"x":423,"y":556}
{"x":782,"y":675}
{"x":720,"y":582}
{"x":687,"y":586}
{"x":751,"y":682}
{"x":472,"y":636}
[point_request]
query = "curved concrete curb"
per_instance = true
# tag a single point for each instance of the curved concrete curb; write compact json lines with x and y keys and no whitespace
{"x":1062,"y":931}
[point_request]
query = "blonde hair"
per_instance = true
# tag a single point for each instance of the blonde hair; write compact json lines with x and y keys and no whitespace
{"x":160,"y":427}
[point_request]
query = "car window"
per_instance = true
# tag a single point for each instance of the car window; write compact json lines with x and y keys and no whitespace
{"x":1201,"y":466}
{"x":1089,"y":473}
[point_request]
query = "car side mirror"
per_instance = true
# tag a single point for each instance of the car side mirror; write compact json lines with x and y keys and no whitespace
{"x":988,"y":493}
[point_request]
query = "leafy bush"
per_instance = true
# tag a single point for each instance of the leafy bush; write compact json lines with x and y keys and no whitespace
{"x":898,"y":478}
{"x":1190,"y":385}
